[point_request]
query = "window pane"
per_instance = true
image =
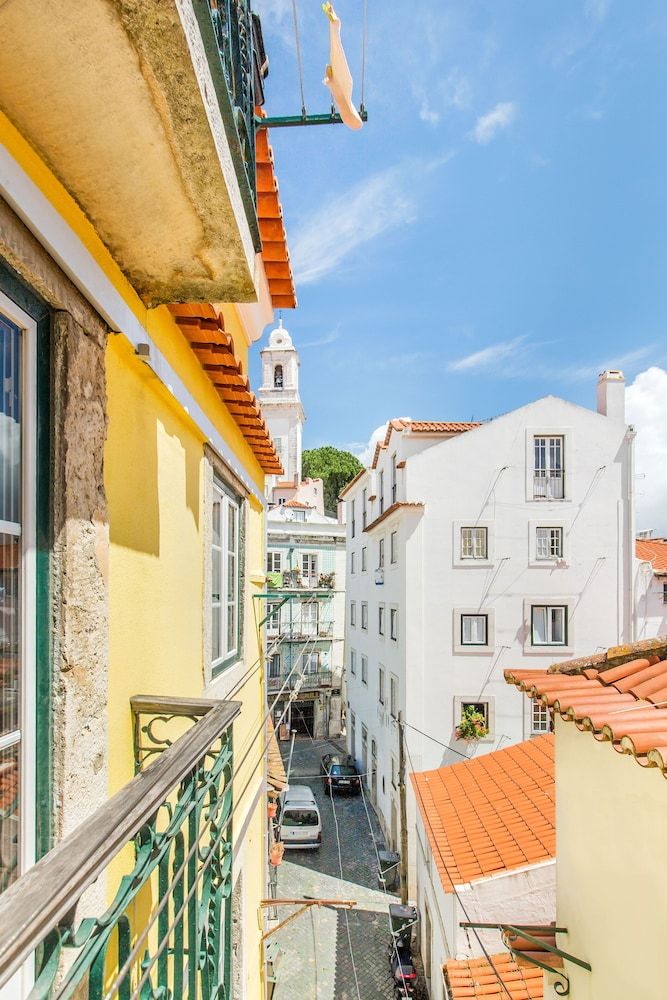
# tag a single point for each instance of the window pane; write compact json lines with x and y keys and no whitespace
{"x":217,"y":539}
{"x":557,"y":625}
{"x":9,"y":634}
{"x":10,"y":422}
{"x":9,"y":816}
{"x":539,"y":625}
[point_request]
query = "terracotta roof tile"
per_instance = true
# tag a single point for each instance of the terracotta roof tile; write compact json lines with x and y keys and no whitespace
{"x":204,"y":329}
{"x":492,"y":813}
{"x":476,"y":979}
{"x":653,"y":550}
{"x":297,"y":503}
{"x":400,"y":504}
{"x":421,"y":427}
{"x":625,"y":704}
{"x":271,"y":226}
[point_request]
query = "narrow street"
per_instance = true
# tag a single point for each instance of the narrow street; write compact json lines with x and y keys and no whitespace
{"x":315,"y":960}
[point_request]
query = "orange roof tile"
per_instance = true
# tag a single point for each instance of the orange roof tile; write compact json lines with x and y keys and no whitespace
{"x":490,"y":814}
{"x":621,"y":698}
{"x":476,"y":978}
{"x":422,"y":427}
{"x":204,"y":329}
{"x":297,"y":503}
{"x":271,"y":226}
{"x":653,"y":550}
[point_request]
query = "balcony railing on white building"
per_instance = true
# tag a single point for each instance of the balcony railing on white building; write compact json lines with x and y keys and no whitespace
{"x":548,"y":485}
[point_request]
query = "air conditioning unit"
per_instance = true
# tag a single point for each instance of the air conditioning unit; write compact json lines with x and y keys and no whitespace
{"x":379,"y":577}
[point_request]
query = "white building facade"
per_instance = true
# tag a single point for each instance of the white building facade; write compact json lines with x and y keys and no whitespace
{"x":305,"y":564}
{"x":472,"y":548}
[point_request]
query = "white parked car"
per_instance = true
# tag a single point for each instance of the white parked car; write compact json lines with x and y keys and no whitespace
{"x":300,"y":821}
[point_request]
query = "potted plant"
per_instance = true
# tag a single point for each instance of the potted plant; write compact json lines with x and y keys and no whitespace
{"x":472,"y":725}
{"x":327,"y":581}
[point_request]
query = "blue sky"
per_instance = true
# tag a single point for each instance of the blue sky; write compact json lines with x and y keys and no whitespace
{"x":497,"y":230}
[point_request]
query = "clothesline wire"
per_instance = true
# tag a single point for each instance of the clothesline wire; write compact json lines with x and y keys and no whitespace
{"x":297,"y":42}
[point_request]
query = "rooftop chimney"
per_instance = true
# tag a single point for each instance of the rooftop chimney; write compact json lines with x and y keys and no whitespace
{"x":611,"y":395}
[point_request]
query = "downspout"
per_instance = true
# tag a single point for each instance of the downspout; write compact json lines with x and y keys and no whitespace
{"x":630,"y":538}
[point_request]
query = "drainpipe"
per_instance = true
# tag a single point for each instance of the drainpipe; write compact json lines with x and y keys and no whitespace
{"x":629,"y":589}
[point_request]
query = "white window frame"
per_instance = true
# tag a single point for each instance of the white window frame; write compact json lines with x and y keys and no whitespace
{"x":393,"y":623}
{"x":353,"y":662}
{"x":353,"y":614}
{"x":228,"y":652}
{"x":381,"y":553}
{"x":309,"y":615}
{"x":548,"y":543}
{"x":549,"y":524}
{"x":364,"y":508}
{"x":353,"y":524}
{"x":271,"y":556}
{"x":393,"y":548}
{"x":273,"y":616}
{"x":567,"y":462}
{"x":550,"y":649}
{"x":313,"y":560}
{"x":364,"y":559}
{"x":26,"y":736}
{"x":393,"y":696}
{"x":273,"y":658}
{"x":352,"y":568}
{"x":364,"y":670}
{"x":489,"y":701}
{"x":381,"y":619}
{"x":381,"y":690}
{"x":474,"y":542}
{"x":550,"y":619}
{"x":381,"y":491}
{"x":664,"y":593}
{"x":364,"y":616}
{"x":474,"y":629}
{"x":540,"y":717}
{"x":457,"y":628}
{"x":394,"y":480}
{"x":470,"y":562}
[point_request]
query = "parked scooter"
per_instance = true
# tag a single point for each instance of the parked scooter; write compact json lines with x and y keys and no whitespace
{"x":403,"y":972}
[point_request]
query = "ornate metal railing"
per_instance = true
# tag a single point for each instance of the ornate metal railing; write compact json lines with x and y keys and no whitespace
{"x":167,"y":931}
{"x":229,"y":30}
{"x":309,"y":681}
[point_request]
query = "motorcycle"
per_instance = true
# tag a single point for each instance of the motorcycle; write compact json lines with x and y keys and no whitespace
{"x":403,"y":972}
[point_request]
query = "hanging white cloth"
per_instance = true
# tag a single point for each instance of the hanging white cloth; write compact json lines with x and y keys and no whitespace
{"x":338,"y":77}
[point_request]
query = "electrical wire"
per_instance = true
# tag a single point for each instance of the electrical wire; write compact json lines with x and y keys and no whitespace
{"x":297,"y":42}
{"x":363,"y":54}
{"x":213,"y":816}
{"x":449,"y":876}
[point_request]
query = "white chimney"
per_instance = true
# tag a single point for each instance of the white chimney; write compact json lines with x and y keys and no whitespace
{"x":611,"y":395}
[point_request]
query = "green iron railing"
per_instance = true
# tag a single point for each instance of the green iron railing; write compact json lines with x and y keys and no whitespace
{"x":231,"y":34}
{"x":167,"y":932}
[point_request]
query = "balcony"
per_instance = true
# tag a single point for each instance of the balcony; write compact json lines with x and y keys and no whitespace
{"x":311,"y":681}
{"x":144,"y":112}
{"x":548,"y":485}
{"x":167,"y":930}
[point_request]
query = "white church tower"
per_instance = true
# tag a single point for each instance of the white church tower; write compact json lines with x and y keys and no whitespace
{"x":281,"y":404}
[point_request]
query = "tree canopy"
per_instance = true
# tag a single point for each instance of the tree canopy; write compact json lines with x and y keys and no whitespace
{"x":335,"y":467}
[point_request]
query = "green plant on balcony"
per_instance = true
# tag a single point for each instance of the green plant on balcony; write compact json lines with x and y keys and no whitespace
{"x":292,"y":578}
{"x":472,"y":726}
{"x":327,"y":581}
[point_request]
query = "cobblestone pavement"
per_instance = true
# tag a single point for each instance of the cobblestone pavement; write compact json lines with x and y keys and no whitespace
{"x":315,"y":952}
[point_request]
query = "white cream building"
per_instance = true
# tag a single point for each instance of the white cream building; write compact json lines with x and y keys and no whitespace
{"x":473,"y":548}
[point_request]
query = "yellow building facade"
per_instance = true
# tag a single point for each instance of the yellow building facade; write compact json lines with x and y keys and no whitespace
{"x":134,"y":279}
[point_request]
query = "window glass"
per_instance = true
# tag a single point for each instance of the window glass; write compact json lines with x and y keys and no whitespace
{"x":274,"y":665}
{"x":474,"y":630}
{"x":363,"y":559}
{"x":548,"y":625}
{"x":540,"y":717}
{"x":224,"y":576}
{"x":364,"y":670}
{"x":393,"y":695}
{"x":274,"y":562}
{"x":393,"y":623}
{"x":548,"y":470}
{"x":352,"y":520}
{"x":474,"y":543}
{"x":299,"y":817}
{"x":393,"y":538}
{"x":381,"y":619}
{"x":381,"y":553}
{"x":364,"y":615}
{"x":381,"y":685}
{"x":549,"y":543}
{"x":353,"y":613}
{"x":353,"y":662}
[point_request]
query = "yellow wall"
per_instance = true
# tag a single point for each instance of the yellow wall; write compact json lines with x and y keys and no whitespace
{"x":611,"y":828}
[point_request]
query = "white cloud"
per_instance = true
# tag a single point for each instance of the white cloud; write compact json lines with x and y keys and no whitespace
{"x":328,"y":338}
{"x":628,"y":362}
{"x":384,"y":201}
{"x":427,"y":113}
{"x":498,"y":118}
{"x":365,"y":452}
{"x":596,"y":10}
{"x":488,"y":357}
{"x":646,"y":408}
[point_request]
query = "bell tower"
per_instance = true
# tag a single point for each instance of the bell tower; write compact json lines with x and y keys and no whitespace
{"x":280,"y":402}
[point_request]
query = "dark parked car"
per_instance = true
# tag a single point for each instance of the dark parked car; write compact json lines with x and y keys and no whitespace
{"x":340,"y":773}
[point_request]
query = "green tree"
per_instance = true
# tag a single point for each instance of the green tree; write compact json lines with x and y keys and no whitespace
{"x":337,"y":468}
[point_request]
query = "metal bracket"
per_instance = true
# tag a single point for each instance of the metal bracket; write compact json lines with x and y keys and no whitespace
{"x":293,"y":121}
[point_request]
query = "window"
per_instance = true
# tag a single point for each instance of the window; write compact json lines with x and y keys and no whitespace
{"x":548,"y":468}
{"x":381,"y":553}
{"x":363,"y":559}
{"x":352,"y":555}
{"x":664,"y":593}
{"x":352,"y":518}
{"x":393,"y":478}
{"x":278,"y":377}
{"x":381,"y":619}
{"x":224,"y":577}
{"x":311,"y":663}
{"x":364,"y":508}
{"x":273,"y":616}
{"x":353,"y":734}
{"x":540,"y":720}
{"x":274,"y":562}
{"x":480,"y":707}
{"x":274,"y":666}
{"x":364,"y":670}
{"x":393,"y":696}
{"x":548,"y":625}
{"x":548,"y":543}
{"x":310,"y":617}
{"x":381,"y":685}
{"x":393,"y":623}
{"x":474,"y":543}
{"x":281,"y":501}
{"x":364,"y":615}
{"x":353,"y":612}
{"x":394,"y":772}
{"x":474,"y":630}
{"x":381,"y":491}
{"x":298,"y":515}
{"x":393,"y":547}
{"x":353,"y":662}
{"x":309,"y":569}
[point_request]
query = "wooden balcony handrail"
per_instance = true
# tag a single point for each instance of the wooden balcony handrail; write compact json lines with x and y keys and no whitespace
{"x":43,"y":897}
